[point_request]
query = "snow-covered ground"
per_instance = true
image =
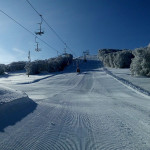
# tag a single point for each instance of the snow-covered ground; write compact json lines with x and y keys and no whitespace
{"x":143,"y":82}
{"x":70,"y":111}
{"x":137,"y":83}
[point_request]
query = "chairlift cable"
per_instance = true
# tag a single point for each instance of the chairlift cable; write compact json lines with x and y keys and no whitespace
{"x":58,"y":36}
{"x":28,"y":30}
{"x":17,"y":22}
{"x":51,"y":28}
{"x":33,"y":8}
{"x":46,"y":23}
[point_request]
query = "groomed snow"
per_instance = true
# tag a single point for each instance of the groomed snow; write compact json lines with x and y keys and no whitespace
{"x":70,"y":111}
{"x":14,"y":105}
{"x":8,"y":94}
{"x":137,"y":83}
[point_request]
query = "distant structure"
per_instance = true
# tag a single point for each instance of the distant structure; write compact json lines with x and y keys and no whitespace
{"x":65,"y":49}
{"x":85,"y":53}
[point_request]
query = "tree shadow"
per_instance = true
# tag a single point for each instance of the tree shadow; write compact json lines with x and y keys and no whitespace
{"x":14,"y":111}
{"x":37,"y":80}
{"x":4,"y":76}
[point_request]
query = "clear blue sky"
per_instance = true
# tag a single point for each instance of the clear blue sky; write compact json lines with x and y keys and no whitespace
{"x":82,"y":24}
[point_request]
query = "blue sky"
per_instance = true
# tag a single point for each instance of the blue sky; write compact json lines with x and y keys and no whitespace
{"x":82,"y":24}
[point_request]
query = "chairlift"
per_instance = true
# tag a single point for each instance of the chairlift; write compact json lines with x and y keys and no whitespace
{"x":40,"y":30}
{"x":37,"y":49}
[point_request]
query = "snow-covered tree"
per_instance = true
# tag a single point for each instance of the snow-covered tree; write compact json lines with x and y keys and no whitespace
{"x":15,"y":66}
{"x":2,"y":69}
{"x":141,"y":63}
{"x":50,"y":65}
{"x":104,"y":52}
{"x":36,"y":67}
{"x":116,"y":58}
{"x":123,"y":59}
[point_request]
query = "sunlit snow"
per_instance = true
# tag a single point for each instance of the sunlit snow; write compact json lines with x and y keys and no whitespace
{"x":69,"y":111}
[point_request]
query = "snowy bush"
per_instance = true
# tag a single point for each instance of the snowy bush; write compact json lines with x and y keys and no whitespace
{"x":116,"y":58}
{"x":31,"y":68}
{"x":59,"y":63}
{"x":123,"y":59}
{"x":2,"y":69}
{"x":15,"y":66}
{"x":141,"y":63}
{"x":102,"y":53}
{"x":36,"y":67}
{"x":106,"y":61}
{"x":50,"y":65}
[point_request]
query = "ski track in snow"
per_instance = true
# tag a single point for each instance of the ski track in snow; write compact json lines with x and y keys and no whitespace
{"x":88,"y":111}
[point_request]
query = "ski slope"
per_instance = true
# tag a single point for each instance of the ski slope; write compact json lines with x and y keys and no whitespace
{"x":70,"y":111}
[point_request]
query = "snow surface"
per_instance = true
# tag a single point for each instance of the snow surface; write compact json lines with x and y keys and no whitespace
{"x":8,"y":94}
{"x":70,"y":111}
{"x":140,"y":81}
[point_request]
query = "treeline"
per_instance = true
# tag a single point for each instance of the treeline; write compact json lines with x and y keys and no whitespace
{"x":14,"y":66}
{"x":137,"y":60}
{"x":35,"y":67}
{"x":49,"y":65}
{"x":116,"y":58}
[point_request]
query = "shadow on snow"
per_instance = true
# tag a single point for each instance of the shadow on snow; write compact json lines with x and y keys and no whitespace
{"x":15,"y":111}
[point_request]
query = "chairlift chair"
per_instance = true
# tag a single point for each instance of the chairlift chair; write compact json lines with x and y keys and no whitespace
{"x":37,"y":49}
{"x":40,"y":30}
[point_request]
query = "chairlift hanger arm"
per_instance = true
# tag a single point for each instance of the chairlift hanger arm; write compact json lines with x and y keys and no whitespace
{"x":41,"y":19}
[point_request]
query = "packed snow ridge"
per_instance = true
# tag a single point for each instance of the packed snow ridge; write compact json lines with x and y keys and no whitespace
{"x":14,"y":105}
{"x":8,"y":94}
{"x":128,"y":84}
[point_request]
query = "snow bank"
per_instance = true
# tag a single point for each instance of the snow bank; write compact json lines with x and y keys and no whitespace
{"x":129,"y":84}
{"x":14,"y":105}
{"x":8,"y":94}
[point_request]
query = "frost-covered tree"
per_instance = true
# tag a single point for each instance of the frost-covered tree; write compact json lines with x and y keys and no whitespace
{"x":106,"y":61}
{"x":28,"y":68}
{"x":104,"y":52}
{"x":2,"y":69}
{"x":123,"y":59}
{"x":141,"y":63}
{"x":116,"y":58}
{"x":15,"y":66}
{"x":49,"y":65}
{"x":36,"y":67}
